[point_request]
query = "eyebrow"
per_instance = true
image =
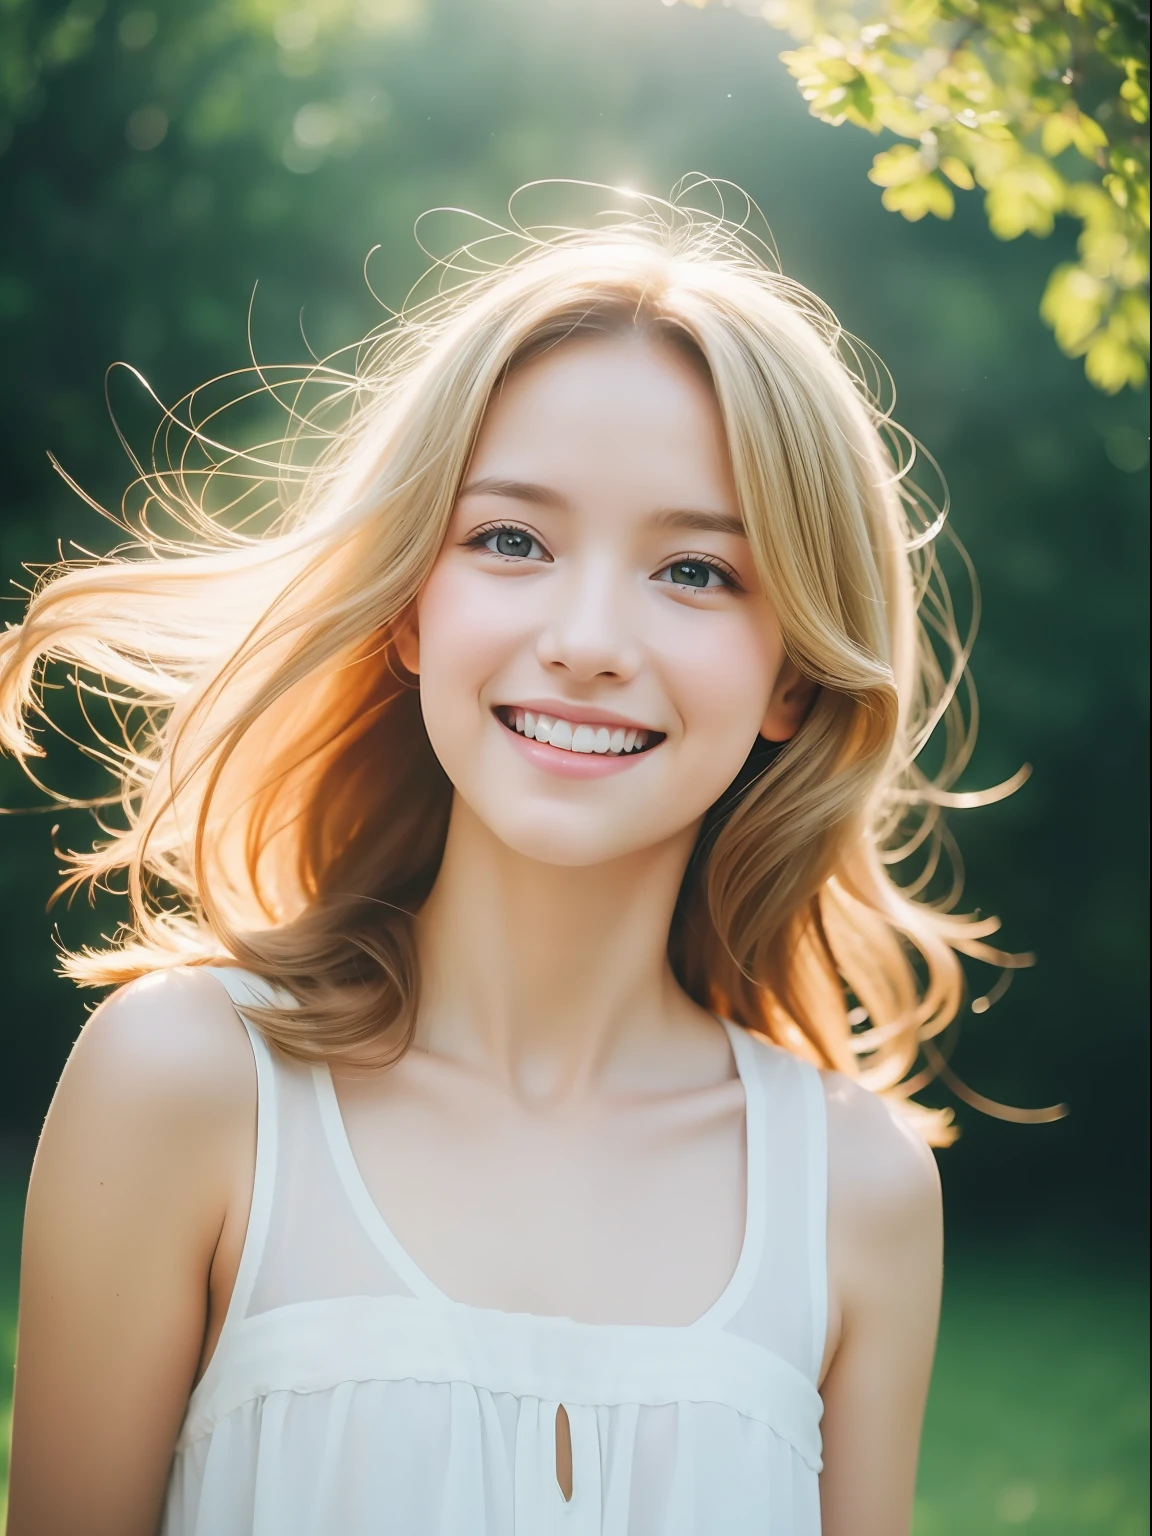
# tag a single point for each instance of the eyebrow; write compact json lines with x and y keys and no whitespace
{"x":687,"y":519}
{"x":693,"y":520}
{"x":516,"y":490}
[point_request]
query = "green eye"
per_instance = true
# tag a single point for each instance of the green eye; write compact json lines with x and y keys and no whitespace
{"x":691,"y":573}
{"x":510,"y":542}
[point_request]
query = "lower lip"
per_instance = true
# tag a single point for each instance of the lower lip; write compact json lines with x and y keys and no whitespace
{"x":571,"y":765}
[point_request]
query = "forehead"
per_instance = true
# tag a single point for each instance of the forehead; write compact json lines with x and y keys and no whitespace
{"x":628,"y":411}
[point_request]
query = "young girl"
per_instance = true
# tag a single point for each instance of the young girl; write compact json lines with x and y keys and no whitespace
{"x":506,"y":1126}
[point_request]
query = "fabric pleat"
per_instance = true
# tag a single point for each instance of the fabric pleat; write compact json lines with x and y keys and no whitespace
{"x":442,"y":1460}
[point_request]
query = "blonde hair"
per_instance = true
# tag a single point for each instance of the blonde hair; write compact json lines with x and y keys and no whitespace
{"x":281,"y":804}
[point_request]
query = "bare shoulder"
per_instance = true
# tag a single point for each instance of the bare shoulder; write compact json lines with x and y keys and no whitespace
{"x":146,"y":1153}
{"x":883,"y":1184}
{"x":170,"y":1039}
{"x":885,"y":1269}
{"x":163,"y":1062}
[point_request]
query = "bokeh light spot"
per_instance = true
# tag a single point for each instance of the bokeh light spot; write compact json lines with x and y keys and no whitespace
{"x":316,"y":125}
{"x":1127,"y":448}
{"x":136,"y":29}
{"x":295,"y":30}
{"x":1016,"y":1504}
{"x":147,"y":127}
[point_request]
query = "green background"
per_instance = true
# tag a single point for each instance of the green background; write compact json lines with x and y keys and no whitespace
{"x":161,"y":162}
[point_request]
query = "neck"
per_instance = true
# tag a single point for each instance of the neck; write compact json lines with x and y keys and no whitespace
{"x":548,"y":977}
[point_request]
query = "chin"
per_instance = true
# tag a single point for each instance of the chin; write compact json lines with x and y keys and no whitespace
{"x":562,"y":848}
{"x":550,"y":837}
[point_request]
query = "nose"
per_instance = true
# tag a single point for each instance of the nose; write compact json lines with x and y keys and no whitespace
{"x":589,"y":630}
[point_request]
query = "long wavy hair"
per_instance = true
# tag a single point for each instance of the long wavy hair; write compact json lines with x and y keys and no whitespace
{"x":280,"y":803}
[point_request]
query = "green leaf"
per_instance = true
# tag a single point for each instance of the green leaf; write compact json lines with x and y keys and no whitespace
{"x":1073,"y":305}
{"x":1111,"y":363}
{"x":927,"y":194}
{"x":1134,"y":308}
{"x":1088,"y":136}
{"x":894,"y":167}
{"x":988,"y":93}
{"x":858,"y":98}
{"x":957,"y":172}
{"x":1056,"y":134}
{"x":1025,"y":199}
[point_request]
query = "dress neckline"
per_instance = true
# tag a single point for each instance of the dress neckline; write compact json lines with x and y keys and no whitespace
{"x":724,"y":1307}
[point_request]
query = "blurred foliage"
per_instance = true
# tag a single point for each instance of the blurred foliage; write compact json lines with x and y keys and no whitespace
{"x":1043,"y":104}
{"x":166,"y":159}
{"x":1038,"y":1414}
{"x":208,"y":65}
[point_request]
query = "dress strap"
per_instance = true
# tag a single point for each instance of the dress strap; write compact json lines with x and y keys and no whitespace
{"x":245,"y":989}
{"x":735,"y":1293}
{"x":785,"y":1308}
{"x":816,"y":1163}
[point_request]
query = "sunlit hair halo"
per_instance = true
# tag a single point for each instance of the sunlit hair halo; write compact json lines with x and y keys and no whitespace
{"x":280,"y":802}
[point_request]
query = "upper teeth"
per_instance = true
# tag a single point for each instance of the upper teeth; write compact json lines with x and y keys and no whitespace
{"x":577,"y":738}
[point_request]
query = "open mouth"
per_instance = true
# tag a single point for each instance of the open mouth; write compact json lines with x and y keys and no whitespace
{"x":573,"y":736}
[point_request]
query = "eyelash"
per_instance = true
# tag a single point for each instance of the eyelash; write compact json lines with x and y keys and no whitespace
{"x":725,"y":572}
{"x":479,"y":538}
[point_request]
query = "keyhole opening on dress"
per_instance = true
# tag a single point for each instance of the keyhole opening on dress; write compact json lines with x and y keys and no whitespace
{"x":564,"y":1453}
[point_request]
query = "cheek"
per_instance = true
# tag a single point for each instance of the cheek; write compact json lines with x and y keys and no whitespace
{"x":722,"y":681}
{"x":466,"y":633}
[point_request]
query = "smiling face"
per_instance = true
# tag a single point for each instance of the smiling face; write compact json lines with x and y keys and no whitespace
{"x":596,"y":655}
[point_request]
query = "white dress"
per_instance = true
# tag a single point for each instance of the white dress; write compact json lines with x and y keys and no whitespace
{"x":347,"y":1396}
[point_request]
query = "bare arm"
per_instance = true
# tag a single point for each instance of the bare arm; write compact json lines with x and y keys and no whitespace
{"x":133,"y":1179}
{"x":885,"y":1265}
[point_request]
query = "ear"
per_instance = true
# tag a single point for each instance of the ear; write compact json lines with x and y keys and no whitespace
{"x":791,"y":700}
{"x":406,"y":639}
